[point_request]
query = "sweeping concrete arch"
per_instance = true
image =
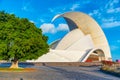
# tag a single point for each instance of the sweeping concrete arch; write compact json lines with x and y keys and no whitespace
{"x":96,"y":51}
{"x":85,"y":41}
{"x":88,"y":26}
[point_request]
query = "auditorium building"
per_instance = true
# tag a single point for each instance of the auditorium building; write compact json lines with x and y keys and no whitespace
{"x":86,"y":42}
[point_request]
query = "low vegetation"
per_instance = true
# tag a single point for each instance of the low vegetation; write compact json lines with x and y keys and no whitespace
{"x":111,"y":67}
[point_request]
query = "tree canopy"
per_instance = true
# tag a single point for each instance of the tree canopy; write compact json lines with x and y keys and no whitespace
{"x":20,"y":39}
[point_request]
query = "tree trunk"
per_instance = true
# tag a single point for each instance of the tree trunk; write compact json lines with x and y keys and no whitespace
{"x":14,"y":64}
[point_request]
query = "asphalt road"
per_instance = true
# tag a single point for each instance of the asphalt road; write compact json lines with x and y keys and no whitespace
{"x":59,"y":73}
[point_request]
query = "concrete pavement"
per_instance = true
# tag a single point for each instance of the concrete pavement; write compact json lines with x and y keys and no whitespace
{"x":59,"y":73}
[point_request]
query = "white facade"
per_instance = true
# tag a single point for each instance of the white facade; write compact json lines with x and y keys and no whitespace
{"x":85,"y":38}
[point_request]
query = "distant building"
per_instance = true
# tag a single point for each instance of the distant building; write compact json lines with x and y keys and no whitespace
{"x":85,"y":42}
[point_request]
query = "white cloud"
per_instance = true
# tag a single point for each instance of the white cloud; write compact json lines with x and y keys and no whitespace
{"x":111,"y":6}
{"x":95,"y":12}
{"x":111,"y":24}
{"x":74,"y":6}
{"x":50,"y":28}
{"x":113,"y":47}
{"x":111,"y":19}
{"x":27,"y":7}
{"x":90,"y":14}
{"x":108,"y":15}
{"x":41,"y":20}
{"x":62,"y":27}
{"x":51,"y":10}
{"x":113,"y":10}
{"x":24,"y":8}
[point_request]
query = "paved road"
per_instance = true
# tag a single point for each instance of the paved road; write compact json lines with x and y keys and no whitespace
{"x":59,"y":73}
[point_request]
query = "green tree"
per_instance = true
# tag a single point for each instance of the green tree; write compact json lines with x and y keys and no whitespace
{"x":20,"y":40}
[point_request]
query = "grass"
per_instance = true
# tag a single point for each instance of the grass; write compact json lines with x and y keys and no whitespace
{"x":17,"y":69}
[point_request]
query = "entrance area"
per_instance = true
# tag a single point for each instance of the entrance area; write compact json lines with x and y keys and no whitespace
{"x":96,"y":56}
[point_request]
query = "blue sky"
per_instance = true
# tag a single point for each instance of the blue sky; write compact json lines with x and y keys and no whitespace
{"x":41,"y":12}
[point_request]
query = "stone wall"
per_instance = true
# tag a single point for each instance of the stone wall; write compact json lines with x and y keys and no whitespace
{"x":67,"y":64}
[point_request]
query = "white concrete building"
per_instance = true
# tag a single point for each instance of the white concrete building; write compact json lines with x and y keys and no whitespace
{"x":85,"y":42}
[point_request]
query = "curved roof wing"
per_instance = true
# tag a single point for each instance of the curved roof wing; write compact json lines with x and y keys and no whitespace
{"x":88,"y":26}
{"x":56,"y":16}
